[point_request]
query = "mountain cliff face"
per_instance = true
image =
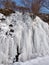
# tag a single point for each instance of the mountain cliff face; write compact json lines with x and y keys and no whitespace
{"x":22,"y":38}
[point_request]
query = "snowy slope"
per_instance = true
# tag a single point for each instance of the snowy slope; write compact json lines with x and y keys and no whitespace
{"x":37,"y":61}
{"x":30,"y":35}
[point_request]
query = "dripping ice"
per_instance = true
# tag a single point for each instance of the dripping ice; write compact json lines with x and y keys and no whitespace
{"x":30,"y":35}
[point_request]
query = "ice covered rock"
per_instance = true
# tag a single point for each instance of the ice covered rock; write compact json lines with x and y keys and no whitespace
{"x":31,"y":36}
{"x":4,"y":26}
{"x":2,"y":16}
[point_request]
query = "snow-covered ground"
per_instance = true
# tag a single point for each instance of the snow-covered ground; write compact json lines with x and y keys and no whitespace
{"x":37,"y":61}
{"x":31,"y":36}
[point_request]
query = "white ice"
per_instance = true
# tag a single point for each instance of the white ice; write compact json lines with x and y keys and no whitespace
{"x":31,"y":37}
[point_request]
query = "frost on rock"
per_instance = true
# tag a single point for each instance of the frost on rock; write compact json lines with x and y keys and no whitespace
{"x":1,"y":16}
{"x":22,"y":38}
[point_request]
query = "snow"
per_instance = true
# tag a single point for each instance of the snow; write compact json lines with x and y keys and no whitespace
{"x":30,"y":35}
{"x":1,"y":16}
{"x":37,"y":61}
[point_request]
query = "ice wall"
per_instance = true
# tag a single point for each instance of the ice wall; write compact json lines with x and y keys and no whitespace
{"x":31,"y":36}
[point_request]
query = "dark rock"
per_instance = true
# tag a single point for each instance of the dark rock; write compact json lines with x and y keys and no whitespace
{"x":6,"y":33}
{"x":33,"y":16}
{"x":11,"y":30}
{"x":0,"y":29}
{"x":2,"y":19}
{"x":10,"y":34}
{"x":17,"y":56}
{"x":11,"y":25}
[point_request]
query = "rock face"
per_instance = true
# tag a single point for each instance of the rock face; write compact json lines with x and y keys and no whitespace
{"x":31,"y":36}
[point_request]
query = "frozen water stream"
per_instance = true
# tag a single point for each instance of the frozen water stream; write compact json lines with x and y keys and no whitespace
{"x":31,"y":36}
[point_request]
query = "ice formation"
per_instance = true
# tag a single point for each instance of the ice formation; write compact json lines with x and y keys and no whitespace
{"x":31,"y":36}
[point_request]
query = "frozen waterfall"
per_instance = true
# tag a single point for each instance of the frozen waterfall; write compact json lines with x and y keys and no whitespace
{"x":31,"y":36}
